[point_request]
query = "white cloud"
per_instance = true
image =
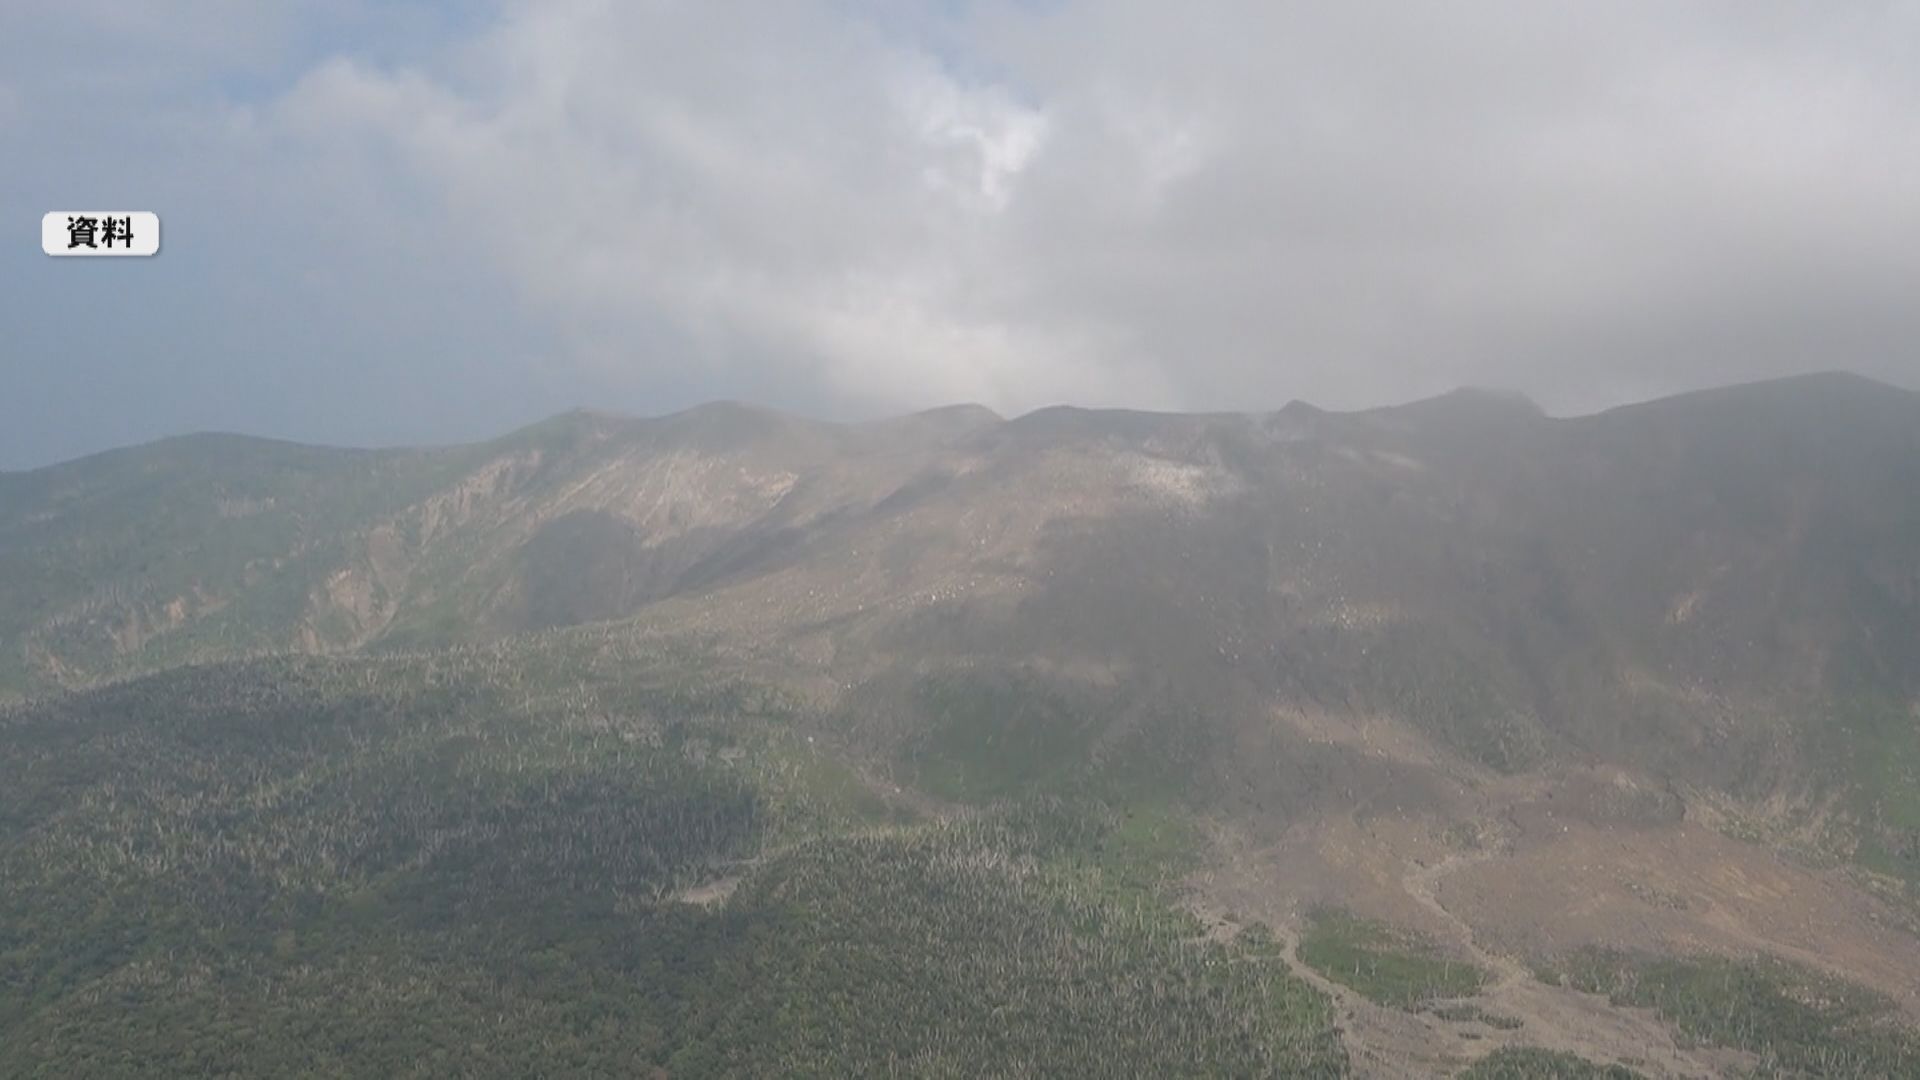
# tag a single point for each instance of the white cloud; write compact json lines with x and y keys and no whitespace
{"x":1220,"y":204}
{"x":790,"y":190}
{"x":846,"y":205}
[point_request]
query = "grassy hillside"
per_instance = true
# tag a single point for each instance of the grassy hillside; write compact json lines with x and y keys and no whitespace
{"x":1795,"y":1021}
{"x":1381,"y":964}
{"x":1530,"y":1063}
{"x":193,"y":548}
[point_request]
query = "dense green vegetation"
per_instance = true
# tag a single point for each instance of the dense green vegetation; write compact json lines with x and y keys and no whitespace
{"x":1533,"y":1063}
{"x":1000,"y":732}
{"x":997,"y":738}
{"x":1386,"y":965}
{"x":224,"y":536}
{"x":991,"y":947}
{"x":478,"y":863}
{"x":1871,"y":749}
{"x":1798,"y":1022}
{"x":1423,"y":674}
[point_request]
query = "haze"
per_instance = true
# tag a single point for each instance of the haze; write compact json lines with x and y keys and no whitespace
{"x":422,"y":222}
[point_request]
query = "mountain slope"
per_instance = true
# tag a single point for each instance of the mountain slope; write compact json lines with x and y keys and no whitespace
{"x":449,"y":866}
{"x":1795,"y":500}
{"x":1528,"y":691}
{"x":1719,"y":590}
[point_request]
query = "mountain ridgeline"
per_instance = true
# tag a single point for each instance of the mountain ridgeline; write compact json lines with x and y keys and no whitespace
{"x":1633,"y":585}
{"x":771,"y":718}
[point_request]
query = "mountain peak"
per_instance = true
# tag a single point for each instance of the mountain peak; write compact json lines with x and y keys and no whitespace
{"x":963,"y":413}
{"x":1470,"y":404}
{"x":1822,"y":402}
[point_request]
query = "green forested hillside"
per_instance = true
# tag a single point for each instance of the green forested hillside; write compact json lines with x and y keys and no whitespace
{"x":420,"y":868}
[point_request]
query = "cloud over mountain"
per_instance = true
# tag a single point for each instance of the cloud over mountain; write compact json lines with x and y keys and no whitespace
{"x":851,"y":208}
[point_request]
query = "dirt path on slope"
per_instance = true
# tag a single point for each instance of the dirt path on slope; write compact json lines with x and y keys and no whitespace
{"x":1555,"y":1017}
{"x":1420,"y":882}
{"x":1382,"y":1043}
{"x":1385,"y":1041}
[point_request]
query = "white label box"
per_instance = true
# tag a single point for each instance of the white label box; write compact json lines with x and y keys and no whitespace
{"x":100,"y":232}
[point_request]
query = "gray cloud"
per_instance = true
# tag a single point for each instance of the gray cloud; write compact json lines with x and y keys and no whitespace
{"x":855,"y":208}
{"x":1198,"y":205}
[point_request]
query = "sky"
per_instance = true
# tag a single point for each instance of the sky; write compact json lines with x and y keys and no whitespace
{"x":397,"y":221}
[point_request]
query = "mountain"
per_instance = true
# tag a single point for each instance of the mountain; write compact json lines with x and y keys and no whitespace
{"x":1571,"y":727}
